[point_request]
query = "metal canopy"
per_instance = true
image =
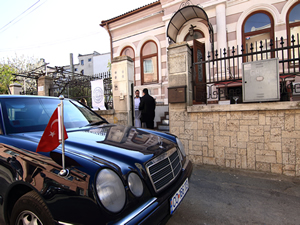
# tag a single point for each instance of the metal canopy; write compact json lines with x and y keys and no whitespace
{"x":182,"y":16}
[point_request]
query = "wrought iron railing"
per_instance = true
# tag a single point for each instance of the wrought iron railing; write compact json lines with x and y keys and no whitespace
{"x":79,"y":86}
{"x":224,"y":67}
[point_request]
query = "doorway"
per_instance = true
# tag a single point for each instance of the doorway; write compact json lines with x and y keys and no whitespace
{"x":199,"y":73}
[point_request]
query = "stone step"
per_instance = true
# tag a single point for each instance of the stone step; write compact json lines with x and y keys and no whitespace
{"x":165,"y":122}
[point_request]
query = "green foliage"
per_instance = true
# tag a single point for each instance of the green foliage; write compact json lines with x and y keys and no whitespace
{"x":109,"y":66}
{"x":6,"y":77}
{"x":19,"y":65}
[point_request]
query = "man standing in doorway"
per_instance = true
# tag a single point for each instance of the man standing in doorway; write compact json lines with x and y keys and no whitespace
{"x":147,"y":106}
{"x":137,"y":112}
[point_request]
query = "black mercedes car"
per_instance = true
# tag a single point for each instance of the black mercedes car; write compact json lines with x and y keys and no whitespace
{"x":115,"y":174}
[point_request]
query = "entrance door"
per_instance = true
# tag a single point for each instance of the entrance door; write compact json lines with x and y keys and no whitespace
{"x":199,"y":75}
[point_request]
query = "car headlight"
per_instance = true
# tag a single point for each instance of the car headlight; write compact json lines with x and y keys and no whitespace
{"x":180,"y":146}
{"x":110,"y":190}
{"x":135,"y":184}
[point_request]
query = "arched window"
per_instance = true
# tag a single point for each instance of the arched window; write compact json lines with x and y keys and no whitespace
{"x":293,"y":24}
{"x":257,"y":27}
{"x":149,"y":63}
{"x":128,"y":51}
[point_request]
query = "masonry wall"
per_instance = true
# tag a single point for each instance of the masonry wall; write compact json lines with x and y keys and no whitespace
{"x":258,"y":136}
{"x":114,"y":117}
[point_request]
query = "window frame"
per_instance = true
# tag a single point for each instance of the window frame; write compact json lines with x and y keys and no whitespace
{"x":269,"y":30}
{"x":288,"y":25}
{"x":143,"y":57}
{"x":122,"y":53}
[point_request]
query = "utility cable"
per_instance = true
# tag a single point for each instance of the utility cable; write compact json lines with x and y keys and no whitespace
{"x":5,"y":27}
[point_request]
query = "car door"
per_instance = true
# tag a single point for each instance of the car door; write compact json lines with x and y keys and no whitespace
{"x":7,"y":174}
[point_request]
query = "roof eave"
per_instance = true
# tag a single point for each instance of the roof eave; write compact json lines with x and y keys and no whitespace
{"x":105,"y":22}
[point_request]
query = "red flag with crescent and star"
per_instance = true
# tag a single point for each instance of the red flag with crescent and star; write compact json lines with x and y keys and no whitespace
{"x":51,"y":137}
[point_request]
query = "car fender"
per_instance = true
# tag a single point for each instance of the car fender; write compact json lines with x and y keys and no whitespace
{"x":22,"y":171}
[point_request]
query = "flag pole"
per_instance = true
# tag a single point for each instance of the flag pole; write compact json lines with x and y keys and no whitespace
{"x":64,"y":171}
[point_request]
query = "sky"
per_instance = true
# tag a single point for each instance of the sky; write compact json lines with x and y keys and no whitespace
{"x":52,"y":29}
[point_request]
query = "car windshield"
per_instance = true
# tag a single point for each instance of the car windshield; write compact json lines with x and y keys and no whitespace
{"x":32,"y":114}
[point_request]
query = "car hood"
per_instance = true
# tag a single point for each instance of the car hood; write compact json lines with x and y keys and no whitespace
{"x":109,"y":143}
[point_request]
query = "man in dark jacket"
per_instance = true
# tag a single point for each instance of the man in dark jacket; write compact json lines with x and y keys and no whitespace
{"x":147,"y":107}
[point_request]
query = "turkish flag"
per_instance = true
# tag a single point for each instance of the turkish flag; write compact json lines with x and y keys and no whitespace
{"x":51,"y":136}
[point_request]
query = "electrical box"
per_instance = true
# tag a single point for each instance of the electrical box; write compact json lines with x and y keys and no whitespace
{"x":261,"y":81}
{"x":177,"y":94}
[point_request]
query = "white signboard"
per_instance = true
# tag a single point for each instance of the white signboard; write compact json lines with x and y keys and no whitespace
{"x":97,"y":94}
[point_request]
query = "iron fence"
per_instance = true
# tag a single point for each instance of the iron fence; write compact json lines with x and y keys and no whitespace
{"x":224,"y":68}
{"x":79,"y":87}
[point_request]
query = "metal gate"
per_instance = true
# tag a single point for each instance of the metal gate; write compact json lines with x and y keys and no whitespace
{"x":80,"y":87}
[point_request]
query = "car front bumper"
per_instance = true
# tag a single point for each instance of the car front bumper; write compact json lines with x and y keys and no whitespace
{"x":157,"y":210}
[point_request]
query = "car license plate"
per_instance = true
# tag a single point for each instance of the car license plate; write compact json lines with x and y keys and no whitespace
{"x":178,"y":196}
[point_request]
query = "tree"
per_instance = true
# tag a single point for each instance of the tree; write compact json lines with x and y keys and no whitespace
{"x":6,"y":77}
{"x":109,"y":66}
{"x":19,"y":69}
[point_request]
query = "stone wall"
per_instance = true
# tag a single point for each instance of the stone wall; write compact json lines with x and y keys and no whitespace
{"x":261,"y":136}
{"x":114,"y":117}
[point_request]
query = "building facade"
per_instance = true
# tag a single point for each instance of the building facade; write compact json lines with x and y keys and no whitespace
{"x":145,"y":34}
{"x":90,"y":64}
{"x":174,"y":42}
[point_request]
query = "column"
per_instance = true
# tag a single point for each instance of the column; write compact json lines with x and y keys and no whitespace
{"x":122,"y":72}
{"x":15,"y":88}
{"x":44,"y":86}
{"x":180,"y":74}
{"x":221,"y":26}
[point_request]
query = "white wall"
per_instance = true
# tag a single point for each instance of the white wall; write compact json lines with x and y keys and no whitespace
{"x":160,"y":112}
{"x":100,"y":63}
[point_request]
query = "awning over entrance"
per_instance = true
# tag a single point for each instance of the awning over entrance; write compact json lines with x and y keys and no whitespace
{"x":182,"y":16}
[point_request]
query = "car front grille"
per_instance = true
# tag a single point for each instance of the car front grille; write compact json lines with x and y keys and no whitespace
{"x":164,"y":169}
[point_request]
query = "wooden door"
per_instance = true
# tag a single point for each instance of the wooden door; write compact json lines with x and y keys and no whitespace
{"x":199,"y":75}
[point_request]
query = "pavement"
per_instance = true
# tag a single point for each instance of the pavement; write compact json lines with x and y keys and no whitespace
{"x":229,"y":196}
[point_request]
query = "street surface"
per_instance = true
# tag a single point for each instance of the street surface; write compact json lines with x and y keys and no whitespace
{"x":226,"y":196}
